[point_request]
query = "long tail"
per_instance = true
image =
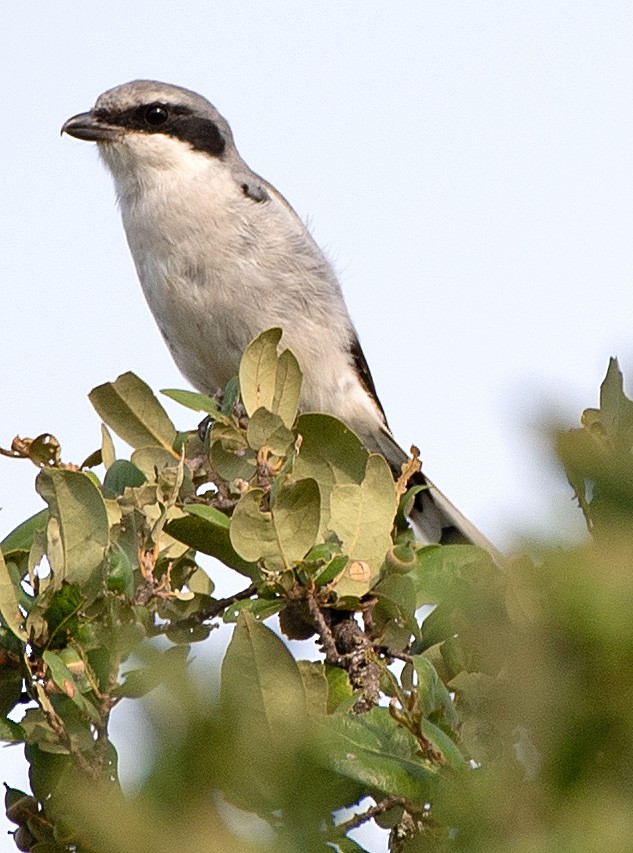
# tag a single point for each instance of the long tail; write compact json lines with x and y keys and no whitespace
{"x":434,"y":518}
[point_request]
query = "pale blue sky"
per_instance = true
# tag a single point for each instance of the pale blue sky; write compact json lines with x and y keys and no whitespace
{"x":466,"y":165}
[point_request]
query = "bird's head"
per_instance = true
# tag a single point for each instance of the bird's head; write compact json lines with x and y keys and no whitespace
{"x":146,"y":125}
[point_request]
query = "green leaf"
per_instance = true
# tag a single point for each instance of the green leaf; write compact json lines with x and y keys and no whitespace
{"x":439,"y":567}
{"x":362,"y":519}
{"x":149,"y":460}
{"x":120,"y":475}
{"x":231,"y":396}
{"x":432,"y":694}
{"x":11,"y":655}
{"x":339,"y":687}
{"x":9,"y":599}
{"x":232,"y":465}
{"x":394,"y":612}
{"x":200,"y":582}
{"x":197,"y":402}
{"x":374,"y":750}
{"x":315,"y":684}
{"x":161,"y":667}
{"x":10,"y":732}
{"x":120,"y":578}
{"x":443,"y":744}
{"x":78,"y":529}
{"x":261,"y":682}
{"x":129,"y":407}
{"x":206,"y":529}
{"x":282,"y":536}
{"x":258,"y":371}
{"x":287,"y":388}
{"x":108,"y":453}
{"x":330,"y":453}
{"x":331,"y":571}
{"x":267,"y":430}
{"x":66,"y":682}
{"x":261,"y":608}
{"x":21,"y":538}
{"x":61,"y":614}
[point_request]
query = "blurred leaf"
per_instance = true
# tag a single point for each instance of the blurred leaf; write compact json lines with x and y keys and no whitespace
{"x":9,"y":600}
{"x":197,"y":402}
{"x":432,"y":695}
{"x":374,"y":750}
{"x":61,"y":614}
{"x":394,"y":611}
{"x":443,"y":744}
{"x":438,"y":567}
{"x":282,"y":536}
{"x":21,"y":538}
{"x":119,"y":476}
{"x":64,"y":679}
{"x":200,"y":582}
{"x":129,"y":407}
{"x":261,"y":682}
{"x":362,"y":518}
{"x":160,"y":667}
{"x":120,"y":577}
{"x":315,"y":685}
{"x":77,"y":508}
{"x":206,"y":529}
{"x":339,"y":687}
{"x":258,"y":371}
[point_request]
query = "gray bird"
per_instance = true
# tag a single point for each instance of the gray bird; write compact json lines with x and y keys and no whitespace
{"x":221,"y":256}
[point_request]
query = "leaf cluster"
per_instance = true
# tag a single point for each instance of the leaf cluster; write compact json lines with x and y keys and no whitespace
{"x":471,"y":724}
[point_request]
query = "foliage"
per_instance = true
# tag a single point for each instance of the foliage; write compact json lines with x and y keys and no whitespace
{"x":499,"y":722}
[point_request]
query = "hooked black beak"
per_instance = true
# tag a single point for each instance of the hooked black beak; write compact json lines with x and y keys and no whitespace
{"x":87,"y":126}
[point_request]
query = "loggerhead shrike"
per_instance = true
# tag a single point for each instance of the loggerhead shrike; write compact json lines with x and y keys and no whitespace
{"x":221,"y":256}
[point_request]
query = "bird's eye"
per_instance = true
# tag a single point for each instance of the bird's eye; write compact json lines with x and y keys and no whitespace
{"x":155,"y":115}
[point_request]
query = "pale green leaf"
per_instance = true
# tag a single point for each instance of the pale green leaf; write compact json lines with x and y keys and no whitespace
{"x":287,"y":388}
{"x":80,"y":521}
{"x":108,"y":453}
{"x":151,"y":459}
{"x":266,"y":429}
{"x":197,"y":402}
{"x":258,"y":371}
{"x":9,"y":598}
{"x":362,"y":519}
{"x":330,"y":453}
{"x":129,"y":407}
{"x":284,"y":534}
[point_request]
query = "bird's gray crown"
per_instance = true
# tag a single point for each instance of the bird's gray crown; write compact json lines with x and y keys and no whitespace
{"x":148,"y":106}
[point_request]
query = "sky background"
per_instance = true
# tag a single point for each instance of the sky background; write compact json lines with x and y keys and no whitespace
{"x":466,"y":166}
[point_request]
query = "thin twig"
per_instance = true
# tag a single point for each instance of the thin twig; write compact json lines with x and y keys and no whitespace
{"x":326,"y":637}
{"x":359,"y":819}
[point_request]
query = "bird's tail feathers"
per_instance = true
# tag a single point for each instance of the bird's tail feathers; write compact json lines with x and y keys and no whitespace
{"x":434,"y":518}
